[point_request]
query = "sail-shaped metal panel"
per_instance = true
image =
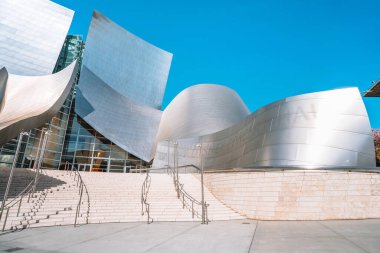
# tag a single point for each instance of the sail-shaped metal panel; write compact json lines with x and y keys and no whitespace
{"x":131,"y":126}
{"x":122,"y":84}
{"x":131,"y":66}
{"x":31,"y":101}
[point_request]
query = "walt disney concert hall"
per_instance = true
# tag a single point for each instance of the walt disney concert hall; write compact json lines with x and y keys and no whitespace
{"x":103,"y":107}
{"x":71,"y":109}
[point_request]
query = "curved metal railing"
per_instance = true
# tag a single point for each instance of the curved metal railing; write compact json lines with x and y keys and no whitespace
{"x":145,"y":206}
{"x":188,"y":200}
{"x":82,"y":186}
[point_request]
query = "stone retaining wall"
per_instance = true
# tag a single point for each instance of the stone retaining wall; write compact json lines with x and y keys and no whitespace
{"x":299,"y":195}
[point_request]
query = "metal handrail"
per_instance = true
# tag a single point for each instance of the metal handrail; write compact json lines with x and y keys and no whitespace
{"x":19,"y":195}
{"x":295,"y":168}
{"x":28,"y":190}
{"x":82,"y":186}
{"x":182,"y":193}
{"x":144,"y":197}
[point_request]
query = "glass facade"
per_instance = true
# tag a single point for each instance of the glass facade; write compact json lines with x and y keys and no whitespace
{"x":70,"y":138}
{"x":90,"y":151}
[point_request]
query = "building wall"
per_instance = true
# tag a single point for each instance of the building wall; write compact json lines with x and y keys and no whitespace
{"x":199,"y":110}
{"x":121,"y":87}
{"x":329,"y":128}
{"x":31,"y":35}
{"x":298,"y":195}
{"x":129,"y":65}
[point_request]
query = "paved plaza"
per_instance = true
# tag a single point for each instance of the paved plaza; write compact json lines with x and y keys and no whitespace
{"x":224,"y":236}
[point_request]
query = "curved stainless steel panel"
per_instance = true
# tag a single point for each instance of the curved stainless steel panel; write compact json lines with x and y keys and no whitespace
{"x":131,"y":126}
{"x":131,"y":66}
{"x":122,"y":84}
{"x":32,"y":33}
{"x":31,"y":101}
{"x":200,"y":110}
{"x":329,"y":128}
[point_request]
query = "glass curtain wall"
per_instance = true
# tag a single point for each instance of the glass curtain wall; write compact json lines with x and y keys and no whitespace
{"x":71,"y":139}
{"x":88,"y":150}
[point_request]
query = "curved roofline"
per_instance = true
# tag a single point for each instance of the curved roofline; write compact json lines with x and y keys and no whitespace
{"x":97,"y":14}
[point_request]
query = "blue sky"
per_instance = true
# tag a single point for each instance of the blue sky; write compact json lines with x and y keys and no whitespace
{"x":265,"y":50}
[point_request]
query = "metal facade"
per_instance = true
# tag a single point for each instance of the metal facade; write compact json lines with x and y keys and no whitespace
{"x":119,"y":98}
{"x":131,"y":126}
{"x":129,"y":65}
{"x":121,"y":86}
{"x":32,"y":101}
{"x":32,"y":33}
{"x":200,"y":110}
{"x":329,"y":128}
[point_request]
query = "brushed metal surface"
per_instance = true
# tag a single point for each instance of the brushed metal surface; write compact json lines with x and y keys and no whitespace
{"x":329,"y":128}
{"x":131,"y":66}
{"x":131,"y":126}
{"x":31,"y":101}
{"x":32,"y":33}
{"x":121,"y":86}
{"x":199,"y":110}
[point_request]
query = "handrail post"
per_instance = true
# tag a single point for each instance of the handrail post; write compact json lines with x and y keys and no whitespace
{"x":78,"y":206}
{"x":192,"y":209}
{"x":202,"y":187}
{"x":19,"y":206}
{"x":6,"y":217}
{"x":11,"y":173}
{"x":144,"y":196}
{"x":175,"y":165}
{"x":206,"y":213}
{"x":29,"y":196}
{"x":45,"y":133}
{"x":168,"y":154}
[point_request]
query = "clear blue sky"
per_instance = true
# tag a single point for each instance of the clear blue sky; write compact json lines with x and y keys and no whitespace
{"x":265,"y":50}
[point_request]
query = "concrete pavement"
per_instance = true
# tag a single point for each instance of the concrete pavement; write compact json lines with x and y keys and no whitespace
{"x":222,"y":236}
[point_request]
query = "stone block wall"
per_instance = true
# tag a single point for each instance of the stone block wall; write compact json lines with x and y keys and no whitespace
{"x":298,"y":194}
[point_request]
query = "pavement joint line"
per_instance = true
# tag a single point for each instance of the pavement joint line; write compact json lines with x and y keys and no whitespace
{"x":253,"y":236}
{"x":98,"y":237}
{"x":172,"y":237}
{"x":344,"y":237}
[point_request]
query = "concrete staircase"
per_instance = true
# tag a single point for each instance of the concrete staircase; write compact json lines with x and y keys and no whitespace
{"x":112,"y":197}
{"x":164,"y":204}
{"x":117,"y":198}
{"x":53,"y":203}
